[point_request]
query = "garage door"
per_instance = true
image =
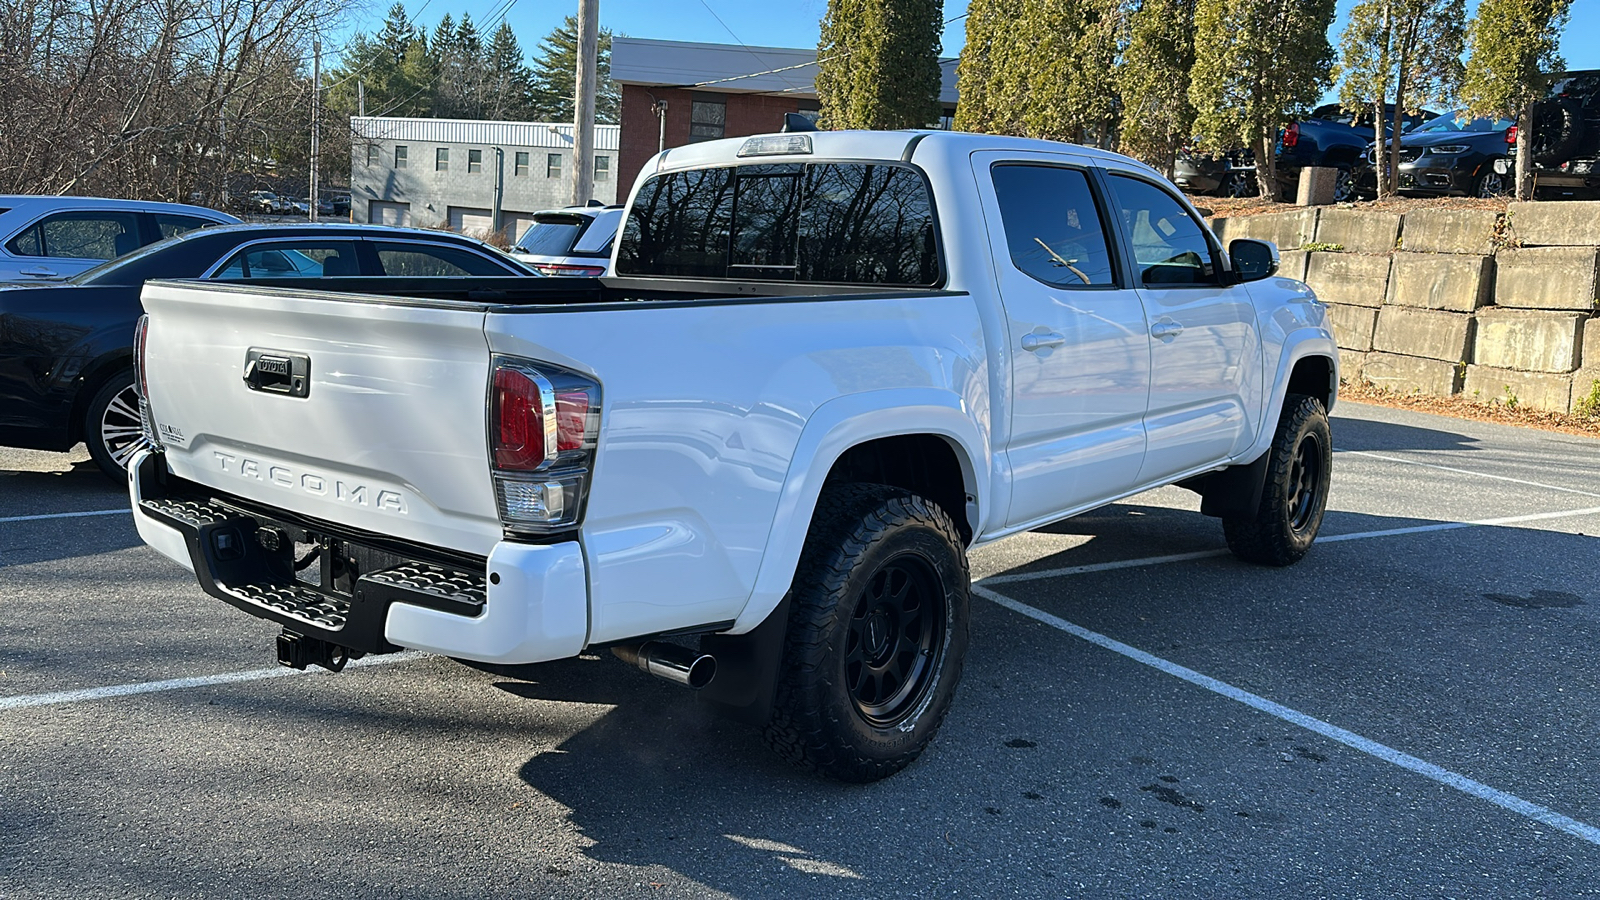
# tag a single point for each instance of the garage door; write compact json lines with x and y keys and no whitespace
{"x":515,"y":223}
{"x":384,"y":212}
{"x":469,"y":220}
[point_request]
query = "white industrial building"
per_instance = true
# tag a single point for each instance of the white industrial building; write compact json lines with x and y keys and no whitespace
{"x":468,"y":175}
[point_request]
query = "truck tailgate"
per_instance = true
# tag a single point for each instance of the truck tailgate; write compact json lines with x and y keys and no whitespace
{"x":390,"y":435}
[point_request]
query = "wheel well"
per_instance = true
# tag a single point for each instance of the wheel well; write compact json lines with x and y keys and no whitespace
{"x":93,"y":381}
{"x":1312,"y":376}
{"x":924,"y":464}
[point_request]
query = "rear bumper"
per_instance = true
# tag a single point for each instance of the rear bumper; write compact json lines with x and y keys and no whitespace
{"x":524,"y":603}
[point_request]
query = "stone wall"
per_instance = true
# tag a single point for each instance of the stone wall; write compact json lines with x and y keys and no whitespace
{"x":1495,"y":306}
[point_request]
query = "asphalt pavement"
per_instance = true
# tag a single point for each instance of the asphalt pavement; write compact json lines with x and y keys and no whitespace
{"x":1409,"y":712}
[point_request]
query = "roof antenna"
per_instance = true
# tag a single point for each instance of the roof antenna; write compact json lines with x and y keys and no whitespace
{"x":797,"y":122}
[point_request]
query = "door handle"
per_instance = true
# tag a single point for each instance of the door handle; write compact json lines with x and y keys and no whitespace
{"x":1164,"y":330}
{"x":1043,"y":341}
{"x":39,"y":272}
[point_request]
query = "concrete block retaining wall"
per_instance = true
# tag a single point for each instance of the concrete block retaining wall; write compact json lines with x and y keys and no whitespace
{"x":1450,"y":301}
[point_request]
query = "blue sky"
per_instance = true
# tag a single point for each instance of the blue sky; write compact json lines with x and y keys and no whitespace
{"x":794,"y":23}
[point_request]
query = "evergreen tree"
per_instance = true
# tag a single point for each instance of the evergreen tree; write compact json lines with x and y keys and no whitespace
{"x":1153,"y":79}
{"x":1041,"y":68}
{"x":458,"y":55}
{"x":1511,"y":47}
{"x":878,"y":63}
{"x":392,"y":67}
{"x":508,"y":82}
{"x":988,"y":22}
{"x":1407,"y":52}
{"x":553,"y":81}
{"x":1257,"y":62}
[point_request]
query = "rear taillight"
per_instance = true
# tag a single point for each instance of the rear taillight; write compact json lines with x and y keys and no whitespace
{"x":570,"y":270}
{"x":147,"y":422}
{"x":544,"y":424}
{"x":1511,"y":135}
{"x":1291,"y":135}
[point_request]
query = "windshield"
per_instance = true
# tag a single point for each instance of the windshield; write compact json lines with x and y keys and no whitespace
{"x":552,"y":235}
{"x":1459,"y":121}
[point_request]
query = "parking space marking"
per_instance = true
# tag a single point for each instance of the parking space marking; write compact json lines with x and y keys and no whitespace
{"x":71,"y":515}
{"x":177,"y":684}
{"x":1329,"y":539}
{"x":1521,"y":481}
{"x":1350,"y":739}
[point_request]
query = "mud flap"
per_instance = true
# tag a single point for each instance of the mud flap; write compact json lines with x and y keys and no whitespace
{"x":747,"y":668}
{"x":1230,"y":492}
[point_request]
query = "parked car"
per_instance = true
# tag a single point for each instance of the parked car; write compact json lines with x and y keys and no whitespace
{"x":572,"y":241}
{"x":339,"y":203}
{"x":54,"y":238}
{"x":66,"y":350}
{"x":1328,"y":137}
{"x":1451,"y":154}
{"x":1332,"y":137}
{"x":1231,"y":174}
{"x":827,"y":364}
{"x":266,"y":203}
{"x":1566,"y":139}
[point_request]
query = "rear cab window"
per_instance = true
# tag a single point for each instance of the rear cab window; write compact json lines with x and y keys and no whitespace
{"x":822,"y":222}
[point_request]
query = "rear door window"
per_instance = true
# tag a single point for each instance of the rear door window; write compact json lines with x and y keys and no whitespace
{"x":853,"y":223}
{"x":171,"y":224}
{"x":426,"y":260}
{"x":79,"y":235}
{"x":1053,"y":227}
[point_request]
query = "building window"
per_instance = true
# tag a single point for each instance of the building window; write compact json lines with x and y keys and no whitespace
{"x":602,"y":168}
{"x":552,"y":165}
{"x":474,"y":160}
{"x":400,"y":157}
{"x":522,"y":163}
{"x":372,"y":154}
{"x":441,"y":159}
{"x":708,"y":118}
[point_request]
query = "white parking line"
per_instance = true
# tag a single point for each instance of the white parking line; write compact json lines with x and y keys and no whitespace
{"x":1350,"y":739}
{"x":177,"y":684}
{"x":72,"y":515}
{"x":1521,"y":481}
{"x":1329,"y":539}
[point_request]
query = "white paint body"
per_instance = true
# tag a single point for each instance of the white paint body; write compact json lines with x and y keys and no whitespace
{"x":721,"y":421}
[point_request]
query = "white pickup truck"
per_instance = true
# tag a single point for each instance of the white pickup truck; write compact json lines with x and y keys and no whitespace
{"x":828,"y":364}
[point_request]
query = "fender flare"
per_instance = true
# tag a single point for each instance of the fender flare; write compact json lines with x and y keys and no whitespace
{"x":1298,"y":345}
{"x":834,"y":428}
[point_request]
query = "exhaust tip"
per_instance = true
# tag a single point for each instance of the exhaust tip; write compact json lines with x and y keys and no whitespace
{"x":670,"y":662}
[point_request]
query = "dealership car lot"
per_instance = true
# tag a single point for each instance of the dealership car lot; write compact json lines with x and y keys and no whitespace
{"x":1409,"y":712}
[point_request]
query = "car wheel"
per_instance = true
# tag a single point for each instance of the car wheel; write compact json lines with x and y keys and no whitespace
{"x":1296,"y":493}
{"x":1491,"y":183}
{"x":112,"y":429}
{"x":877,"y":634}
{"x":1344,"y":186}
{"x":1239,"y":184}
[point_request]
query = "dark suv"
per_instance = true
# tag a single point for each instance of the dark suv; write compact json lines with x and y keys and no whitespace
{"x":1566,"y":139}
{"x":1450,"y":155}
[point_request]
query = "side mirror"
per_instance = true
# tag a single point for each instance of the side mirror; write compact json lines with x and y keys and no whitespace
{"x":1253,"y":260}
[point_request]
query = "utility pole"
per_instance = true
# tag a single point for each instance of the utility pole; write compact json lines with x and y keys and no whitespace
{"x":361,"y":98}
{"x":316,"y":122}
{"x":583,"y":106}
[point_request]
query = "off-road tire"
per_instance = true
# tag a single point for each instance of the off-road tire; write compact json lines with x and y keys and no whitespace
{"x":863,"y":538}
{"x":111,"y":427}
{"x":1295,"y":496}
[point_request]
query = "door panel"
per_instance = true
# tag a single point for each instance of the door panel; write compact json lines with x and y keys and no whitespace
{"x":1079,"y":341}
{"x":1205,"y":372}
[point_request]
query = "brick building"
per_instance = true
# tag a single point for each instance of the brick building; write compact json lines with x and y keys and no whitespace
{"x":676,"y":93}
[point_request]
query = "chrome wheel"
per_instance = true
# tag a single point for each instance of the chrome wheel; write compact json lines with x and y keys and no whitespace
{"x":1491,"y":184}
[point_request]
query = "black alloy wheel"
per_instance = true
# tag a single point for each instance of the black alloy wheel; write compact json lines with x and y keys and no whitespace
{"x":876,"y":637}
{"x":895,"y":638}
{"x":112,"y":429}
{"x":1344,"y":186}
{"x":1295,"y":496}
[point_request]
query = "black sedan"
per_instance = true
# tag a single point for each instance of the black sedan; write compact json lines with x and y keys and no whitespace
{"x":66,"y":350}
{"x":1453,"y":154}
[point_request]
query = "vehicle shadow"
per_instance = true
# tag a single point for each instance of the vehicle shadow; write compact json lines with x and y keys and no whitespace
{"x":57,"y":494}
{"x":660,"y":780}
{"x":1351,"y":433}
